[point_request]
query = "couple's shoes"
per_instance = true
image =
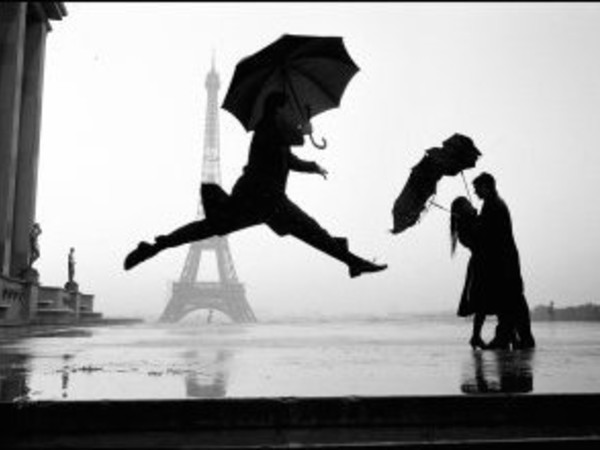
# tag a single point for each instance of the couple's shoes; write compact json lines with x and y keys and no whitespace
{"x":477,"y":342}
{"x":494,"y":344}
{"x":143,"y":251}
{"x":515,"y":342}
{"x":497,"y":344}
{"x":525,"y":344}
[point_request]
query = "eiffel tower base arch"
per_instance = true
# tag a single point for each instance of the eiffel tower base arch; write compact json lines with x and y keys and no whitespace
{"x":228,"y":298}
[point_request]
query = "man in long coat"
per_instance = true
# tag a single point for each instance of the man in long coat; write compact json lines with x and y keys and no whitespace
{"x":499,"y":277}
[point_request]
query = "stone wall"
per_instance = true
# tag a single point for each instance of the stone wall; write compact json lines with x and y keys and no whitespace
{"x":25,"y":303}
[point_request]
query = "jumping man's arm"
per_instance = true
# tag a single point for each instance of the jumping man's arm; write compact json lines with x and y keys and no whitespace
{"x":299,"y":165}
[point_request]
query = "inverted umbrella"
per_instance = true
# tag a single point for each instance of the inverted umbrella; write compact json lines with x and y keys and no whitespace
{"x":314,"y":70}
{"x":456,"y":154}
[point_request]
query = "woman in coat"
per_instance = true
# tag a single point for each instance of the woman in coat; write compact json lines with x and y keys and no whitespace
{"x":463,"y":229}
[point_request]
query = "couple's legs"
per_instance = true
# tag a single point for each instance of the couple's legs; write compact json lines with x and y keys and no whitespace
{"x":514,"y":327}
{"x":290,"y":219}
{"x":522,"y":323}
{"x":505,"y":331}
{"x":476,"y":340}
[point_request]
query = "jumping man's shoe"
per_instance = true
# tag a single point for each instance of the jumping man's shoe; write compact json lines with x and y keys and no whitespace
{"x":361,"y":267}
{"x":143,"y":252}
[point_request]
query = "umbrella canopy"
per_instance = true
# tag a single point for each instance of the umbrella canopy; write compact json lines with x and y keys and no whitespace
{"x":313,"y":70}
{"x":457,"y":154}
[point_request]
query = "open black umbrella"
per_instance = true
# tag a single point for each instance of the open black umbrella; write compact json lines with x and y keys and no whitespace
{"x":456,"y":154}
{"x":313,"y":70}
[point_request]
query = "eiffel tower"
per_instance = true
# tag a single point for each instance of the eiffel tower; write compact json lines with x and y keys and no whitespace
{"x":226,"y":295}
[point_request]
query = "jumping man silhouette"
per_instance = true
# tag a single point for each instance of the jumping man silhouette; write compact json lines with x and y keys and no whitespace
{"x":259,"y":197}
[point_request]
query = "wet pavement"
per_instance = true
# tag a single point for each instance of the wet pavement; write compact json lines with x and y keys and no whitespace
{"x":304,"y":359}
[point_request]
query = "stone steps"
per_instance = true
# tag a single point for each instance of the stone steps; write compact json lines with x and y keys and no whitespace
{"x":479,"y":421}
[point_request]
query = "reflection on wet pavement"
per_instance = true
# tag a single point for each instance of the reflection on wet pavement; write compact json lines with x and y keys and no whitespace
{"x":306,"y":359}
{"x":499,"y":371}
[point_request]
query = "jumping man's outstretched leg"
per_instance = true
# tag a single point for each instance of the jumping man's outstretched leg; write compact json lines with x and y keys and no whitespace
{"x":194,"y":231}
{"x":292,"y":220}
{"x":339,"y":250}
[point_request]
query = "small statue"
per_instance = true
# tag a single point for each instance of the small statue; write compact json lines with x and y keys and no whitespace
{"x":34,"y":247}
{"x":28,"y":273}
{"x":71,"y":265}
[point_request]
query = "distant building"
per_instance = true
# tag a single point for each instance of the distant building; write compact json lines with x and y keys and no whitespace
{"x":585,"y":312}
{"x":24,"y":27}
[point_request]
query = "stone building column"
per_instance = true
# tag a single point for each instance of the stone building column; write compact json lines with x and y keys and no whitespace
{"x":29,"y":142}
{"x":12,"y":40}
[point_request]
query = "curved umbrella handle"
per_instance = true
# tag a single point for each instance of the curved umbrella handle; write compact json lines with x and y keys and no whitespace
{"x":321,"y":146}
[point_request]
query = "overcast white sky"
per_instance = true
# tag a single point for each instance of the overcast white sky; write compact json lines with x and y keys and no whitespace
{"x":122,"y":142}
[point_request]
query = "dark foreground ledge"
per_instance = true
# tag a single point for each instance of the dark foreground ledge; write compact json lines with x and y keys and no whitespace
{"x":478,"y":421}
